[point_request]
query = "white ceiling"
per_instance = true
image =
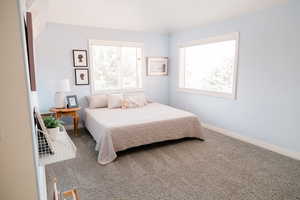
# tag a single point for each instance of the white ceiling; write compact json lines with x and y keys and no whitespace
{"x":151,"y":15}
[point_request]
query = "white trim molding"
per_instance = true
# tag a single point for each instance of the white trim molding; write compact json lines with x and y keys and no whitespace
{"x":213,"y":39}
{"x":256,"y":142}
{"x":115,"y":43}
{"x":207,"y":93}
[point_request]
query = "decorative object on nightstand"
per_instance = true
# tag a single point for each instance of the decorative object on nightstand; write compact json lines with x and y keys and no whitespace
{"x":72,"y":101}
{"x":62,"y":87}
{"x":157,"y":66}
{"x":71,"y":112}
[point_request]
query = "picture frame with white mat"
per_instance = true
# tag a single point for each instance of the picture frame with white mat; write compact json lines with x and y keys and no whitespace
{"x":72,"y":101}
{"x":82,"y":77}
{"x":157,"y":66}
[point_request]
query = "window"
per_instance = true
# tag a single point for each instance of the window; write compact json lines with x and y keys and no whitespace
{"x":116,"y":66}
{"x":210,"y":66}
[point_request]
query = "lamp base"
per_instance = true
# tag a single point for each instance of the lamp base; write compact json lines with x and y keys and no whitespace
{"x":60,"y":100}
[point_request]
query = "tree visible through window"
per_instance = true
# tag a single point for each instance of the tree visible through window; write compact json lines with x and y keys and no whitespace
{"x":116,"y":67}
{"x":210,"y":66}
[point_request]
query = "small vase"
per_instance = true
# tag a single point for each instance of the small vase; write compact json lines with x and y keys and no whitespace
{"x":53,"y":130}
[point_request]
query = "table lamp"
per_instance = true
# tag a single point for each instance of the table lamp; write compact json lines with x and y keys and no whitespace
{"x":63,"y":86}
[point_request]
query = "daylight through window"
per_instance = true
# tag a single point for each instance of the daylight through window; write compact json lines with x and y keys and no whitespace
{"x":115,"y":65}
{"x":210,"y":66}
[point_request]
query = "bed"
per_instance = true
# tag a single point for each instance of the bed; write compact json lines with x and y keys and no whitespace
{"x":119,"y":129}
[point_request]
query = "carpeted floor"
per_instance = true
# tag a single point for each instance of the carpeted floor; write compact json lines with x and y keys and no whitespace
{"x":219,"y":168}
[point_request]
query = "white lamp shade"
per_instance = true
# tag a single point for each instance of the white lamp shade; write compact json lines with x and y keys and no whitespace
{"x":63,"y":86}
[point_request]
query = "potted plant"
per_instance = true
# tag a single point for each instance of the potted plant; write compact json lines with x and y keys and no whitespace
{"x":52,"y":124}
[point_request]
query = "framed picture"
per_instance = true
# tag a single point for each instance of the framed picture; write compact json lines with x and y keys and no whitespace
{"x":81,"y":76}
{"x":30,"y":50}
{"x":80,"y":58}
{"x":157,"y":66}
{"x":72,"y":101}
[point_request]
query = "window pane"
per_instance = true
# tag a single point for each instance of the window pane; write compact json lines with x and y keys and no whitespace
{"x":129,"y":66}
{"x":210,"y":67}
{"x":139,"y":66}
{"x":116,"y":67}
{"x":106,"y":61}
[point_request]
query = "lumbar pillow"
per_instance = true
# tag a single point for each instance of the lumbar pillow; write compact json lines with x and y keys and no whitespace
{"x":115,"y":100}
{"x":97,"y":101}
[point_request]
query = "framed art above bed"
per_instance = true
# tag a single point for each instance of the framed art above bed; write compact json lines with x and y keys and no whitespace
{"x":80,"y":58}
{"x":157,"y":66}
{"x":82,"y":77}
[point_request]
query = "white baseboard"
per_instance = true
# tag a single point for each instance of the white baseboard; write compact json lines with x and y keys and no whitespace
{"x":271,"y":147}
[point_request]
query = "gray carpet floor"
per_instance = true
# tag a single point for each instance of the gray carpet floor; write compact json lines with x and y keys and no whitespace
{"x":218,"y":168}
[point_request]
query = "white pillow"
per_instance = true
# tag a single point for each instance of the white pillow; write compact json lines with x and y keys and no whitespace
{"x":115,"y":101}
{"x":97,"y":101}
{"x":134,"y":100}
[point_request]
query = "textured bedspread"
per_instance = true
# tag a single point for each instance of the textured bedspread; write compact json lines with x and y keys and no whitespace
{"x":119,"y":129}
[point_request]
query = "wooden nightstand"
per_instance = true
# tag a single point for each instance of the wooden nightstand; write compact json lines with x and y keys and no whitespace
{"x":71,"y":112}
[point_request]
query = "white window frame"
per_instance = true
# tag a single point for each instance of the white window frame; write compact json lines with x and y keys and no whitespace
{"x":119,"y":44}
{"x":230,"y":36}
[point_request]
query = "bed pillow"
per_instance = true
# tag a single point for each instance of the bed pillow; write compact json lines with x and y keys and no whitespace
{"x":97,"y":101}
{"x":115,"y":101}
{"x":134,"y":101}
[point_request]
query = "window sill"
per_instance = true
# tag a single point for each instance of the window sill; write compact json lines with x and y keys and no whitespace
{"x":208,"y":93}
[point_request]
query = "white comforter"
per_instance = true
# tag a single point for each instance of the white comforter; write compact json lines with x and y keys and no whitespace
{"x":119,"y":129}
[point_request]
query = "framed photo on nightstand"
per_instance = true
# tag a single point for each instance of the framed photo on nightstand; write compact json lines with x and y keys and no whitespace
{"x":72,"y":101}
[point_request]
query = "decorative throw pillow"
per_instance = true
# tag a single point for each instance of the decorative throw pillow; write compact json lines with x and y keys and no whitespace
{"x":97,"y":101}
{"x":141,"y":99}
{"x":125,"y":104}
{"x":115,"y":101}
{"x":134,"y":100}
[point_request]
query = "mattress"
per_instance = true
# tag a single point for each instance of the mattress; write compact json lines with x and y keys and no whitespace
{"x":119,"y":129}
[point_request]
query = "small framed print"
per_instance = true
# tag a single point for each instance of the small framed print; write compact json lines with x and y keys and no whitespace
{"x":72,"y":101}
{"x":157,"y":66}
{"x":80,"y":58}
{"x":81,"y":77}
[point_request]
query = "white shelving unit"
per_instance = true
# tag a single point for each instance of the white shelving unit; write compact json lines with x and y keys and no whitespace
{"x":64,"y":149}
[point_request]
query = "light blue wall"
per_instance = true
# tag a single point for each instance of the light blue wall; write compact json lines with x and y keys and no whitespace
{"x":267,"y":105}
{"x":54,"y":59}
{"x":268,"y":96}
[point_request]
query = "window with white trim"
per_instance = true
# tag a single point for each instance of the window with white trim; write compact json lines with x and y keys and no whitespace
{"x":210,"y":66}
{"x":115,"y":66}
